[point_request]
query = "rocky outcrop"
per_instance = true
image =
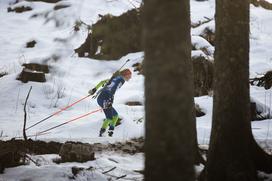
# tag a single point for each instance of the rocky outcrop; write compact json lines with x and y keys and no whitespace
{"x":29,"y":75}
{"x":263,"y":81}
{"x":2,"y":74}
{"x":13,"y":152}
{"x":203,"y":75}
{"x":199,"y":111}
{"x":262,"y":3}
{"x":31,"y":44}
{"x":19,"y":9}
{"x":76,"y":152}
{"x":33,"y":72}
{"x":113,"y":37}
{"x":37,"y":67}
{"x":209,"y":35}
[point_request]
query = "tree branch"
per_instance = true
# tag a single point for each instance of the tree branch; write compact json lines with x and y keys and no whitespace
{"x":24,"y":131}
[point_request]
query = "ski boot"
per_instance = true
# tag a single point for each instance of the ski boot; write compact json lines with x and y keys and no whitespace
{"x":102,"y":130}
{"x":110,"y":132}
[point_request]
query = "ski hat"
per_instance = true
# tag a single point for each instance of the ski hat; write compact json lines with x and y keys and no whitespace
{"x":125,"y":72}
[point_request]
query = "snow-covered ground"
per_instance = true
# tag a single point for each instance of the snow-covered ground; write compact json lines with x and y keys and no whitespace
{"x":71,"y":77}
{"x":91,"y":170}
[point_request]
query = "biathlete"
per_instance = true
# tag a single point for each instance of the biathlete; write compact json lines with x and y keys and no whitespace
{"x":106,"y":96}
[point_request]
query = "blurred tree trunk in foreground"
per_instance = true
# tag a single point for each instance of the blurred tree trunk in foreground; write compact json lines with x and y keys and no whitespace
{"x":170,"y":116}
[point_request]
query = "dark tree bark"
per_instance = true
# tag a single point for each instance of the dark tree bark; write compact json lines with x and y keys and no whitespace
{"x":262,"y":160}
{"x":228,"y":157}
{"x":170,"y":117}
{"x":232,"y":146}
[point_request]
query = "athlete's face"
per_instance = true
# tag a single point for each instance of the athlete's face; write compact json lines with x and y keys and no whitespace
{"x":127,"y":77}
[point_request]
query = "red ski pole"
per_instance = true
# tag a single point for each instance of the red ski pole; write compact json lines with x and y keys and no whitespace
{"x":74,"y":119}
{"x":62,"y":109}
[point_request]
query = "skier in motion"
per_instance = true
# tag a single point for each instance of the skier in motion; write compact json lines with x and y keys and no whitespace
{"x":106,"y":96}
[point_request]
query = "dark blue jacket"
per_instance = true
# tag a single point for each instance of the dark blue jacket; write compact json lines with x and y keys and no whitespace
{"x":113,"y":85}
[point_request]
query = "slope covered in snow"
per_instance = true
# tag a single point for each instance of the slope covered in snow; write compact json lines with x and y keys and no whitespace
{"x":71,"y":77}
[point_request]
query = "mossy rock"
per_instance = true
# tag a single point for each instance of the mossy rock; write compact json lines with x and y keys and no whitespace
{"x":203,"y":75}
{"x":208,"y":35}
{"x":12,"y":152}
{"x":20,"y":9}
{"x":31,"y":44}
{"x":76,"y":152}
{"x":30,"y":75}
{"x":33,"y":72}
{"x":37,"y":67}
{"x":263,"y":81}
{"x":113,"y":37}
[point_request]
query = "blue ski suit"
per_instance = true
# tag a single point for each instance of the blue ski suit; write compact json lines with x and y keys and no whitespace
{"x":106,"y":96}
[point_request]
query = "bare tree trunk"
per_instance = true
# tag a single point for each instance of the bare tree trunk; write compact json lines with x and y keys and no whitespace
{"x":170,"y":116}
{"x":262,"y":160}
{"x":230,"y":156}
{"x":24,"y":129}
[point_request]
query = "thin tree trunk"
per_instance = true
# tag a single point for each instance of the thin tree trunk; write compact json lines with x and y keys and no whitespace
{"x":170,"y":116}
{"x":25,"y":115}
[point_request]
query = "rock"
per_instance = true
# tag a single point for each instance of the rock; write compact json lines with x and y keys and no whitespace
{"x":19,"y":9}
{"x":209,"y":35}
{"x":37,"y":67}
{"x":128,"y":149}
{"x":31,"y":75}
{"x":33,"y":72}
{"x":138,"y":67}
{"x":263,"y":3}
{"x":76,"y":170}
{"x":268,"y":80}
{"x":88,"y":48}
{"x":9,"y":156}
{"x":76,"y":152}
{"x":41,"y":147}
{"x":199,"y":112}
{"x":12,"y":152}
{"x":133,"y":103}
{"x":61,"y":6}
{"x":31,"y":44}
{"x":259,"y":111}
{"x":2,"y":74}
{"x":113,"y":37}
{"x":203,"y":75}
{"x":263,"y":81}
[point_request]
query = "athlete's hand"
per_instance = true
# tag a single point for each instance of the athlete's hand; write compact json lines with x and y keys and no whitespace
{"x":92,"y":91}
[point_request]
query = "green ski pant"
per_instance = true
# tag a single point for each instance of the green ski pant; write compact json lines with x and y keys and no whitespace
{"x":110,"y":122}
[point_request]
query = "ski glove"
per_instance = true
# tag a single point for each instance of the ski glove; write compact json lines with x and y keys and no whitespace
{"x":92,"y":91}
